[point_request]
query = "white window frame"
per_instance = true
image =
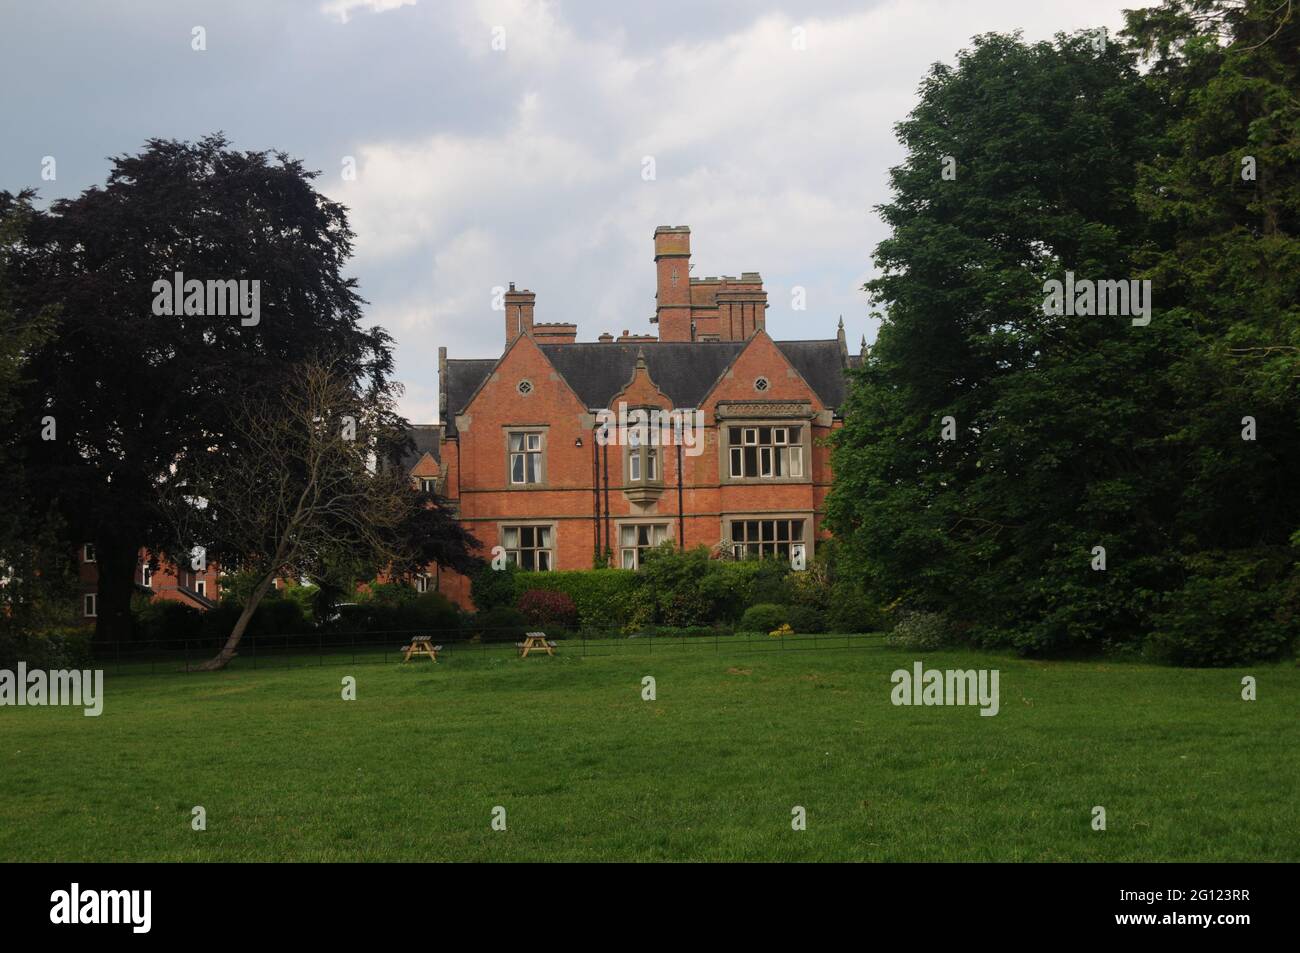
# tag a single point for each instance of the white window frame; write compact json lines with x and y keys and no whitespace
{"x":513,"y":552}
{"x":428,"y":484}
{"x":533,"y":443}
{"x":88,"y":552}
{"x":741,"y":550}
{"x":790,"y":452}
{"x":90,"y":605}
{"x":201,"y":587}
{"x":635,"y":549}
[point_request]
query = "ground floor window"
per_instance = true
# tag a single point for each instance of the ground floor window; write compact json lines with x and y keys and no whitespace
{"x":529,"y":547}
{"x":89,"y":605}
{"x":635,"y":538}
{"x":759,"y":538}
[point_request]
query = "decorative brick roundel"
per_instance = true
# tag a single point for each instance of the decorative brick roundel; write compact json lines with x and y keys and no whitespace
{"x":524,"y":387}
{"x":761,"y":384}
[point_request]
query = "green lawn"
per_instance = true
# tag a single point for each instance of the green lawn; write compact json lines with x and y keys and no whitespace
{"x":586,"y":770}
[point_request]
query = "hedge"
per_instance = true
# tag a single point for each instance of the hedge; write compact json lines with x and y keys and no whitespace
{"x":604,"y":597}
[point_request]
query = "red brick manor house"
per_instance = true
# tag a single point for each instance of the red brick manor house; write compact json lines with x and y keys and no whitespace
{"x":523,"y":449}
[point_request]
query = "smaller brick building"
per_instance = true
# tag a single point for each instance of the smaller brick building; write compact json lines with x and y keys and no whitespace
{"x":569,"y":454}
{"x":200,"y":589}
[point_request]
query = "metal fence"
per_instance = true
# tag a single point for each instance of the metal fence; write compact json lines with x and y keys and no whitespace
{"x":161,"y":656}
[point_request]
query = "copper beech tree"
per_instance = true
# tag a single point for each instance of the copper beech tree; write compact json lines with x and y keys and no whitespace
{"x":307,"y":477}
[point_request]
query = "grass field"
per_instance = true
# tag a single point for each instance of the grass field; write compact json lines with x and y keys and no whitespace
{"x":587,"y":770}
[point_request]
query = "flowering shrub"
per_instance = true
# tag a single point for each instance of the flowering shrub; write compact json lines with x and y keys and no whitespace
{"x":544,"y":607}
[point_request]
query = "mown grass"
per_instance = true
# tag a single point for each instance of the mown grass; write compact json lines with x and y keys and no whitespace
{"x":587,"y":770}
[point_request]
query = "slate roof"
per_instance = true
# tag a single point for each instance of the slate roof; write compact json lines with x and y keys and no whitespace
{"x":819,"y":363}
{"x":684,"y":370}
{"x":461,"y":379}
{"x":426,"y":437}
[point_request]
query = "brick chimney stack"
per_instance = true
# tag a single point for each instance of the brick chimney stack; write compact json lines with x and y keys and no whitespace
{"x":519,"y":312}
{"x":673,"y":288}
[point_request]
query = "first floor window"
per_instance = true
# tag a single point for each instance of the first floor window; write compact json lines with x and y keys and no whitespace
{"x":89,"y":605}
{"x":422,"y":582}
{"x":146,"y":576}
{"x":525,"y":458}
{"x":528,"y":547}
{"x":765,"y":452}
{"x":634,"y":539}
{"x":428,"y":484}
{"x":201,"y":587}
{"x":88,"y":553}
{"x":642,"y":458}
{"x":764,"y":538}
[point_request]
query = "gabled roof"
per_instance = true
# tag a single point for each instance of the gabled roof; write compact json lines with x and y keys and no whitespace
{"x":819,"y":363}
{"x":427,"y":438}
{"x":684,"y":370}
{"x":461,"y":379}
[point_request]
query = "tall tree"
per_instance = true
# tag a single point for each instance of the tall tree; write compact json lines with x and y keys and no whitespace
{"x":136,"y":393}
{"x":1048,"y":414}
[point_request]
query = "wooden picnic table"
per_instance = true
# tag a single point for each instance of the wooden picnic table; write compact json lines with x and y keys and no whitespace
{"x":535,"y":641}
{"x":422,"y":645}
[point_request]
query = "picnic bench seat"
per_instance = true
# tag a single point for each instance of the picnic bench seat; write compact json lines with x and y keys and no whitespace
{"x":421,"y":645}
{"x":535,"y":640}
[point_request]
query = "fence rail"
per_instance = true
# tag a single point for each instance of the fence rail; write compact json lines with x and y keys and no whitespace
{"x":162,"y":656}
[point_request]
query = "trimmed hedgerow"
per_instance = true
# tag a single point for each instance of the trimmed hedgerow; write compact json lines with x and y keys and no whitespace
{"x":603,"y":597}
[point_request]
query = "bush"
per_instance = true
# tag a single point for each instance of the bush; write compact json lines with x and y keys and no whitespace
{"x":602,"y":597}
{"x":732,"y":587}
{"x":543,"y":608}
{"x":852,"y":611}
{"x":920,"y":630}
{"x":1236,"y":607}
{"x":166,"y":619}
{"x":500,"y":624}
{"x":491,"y":588}
{"x":273,"y":617}
{"x":806,"y":619}
{"x":432,"y":611}
{"x":61,"y":648}
{"x":765,"y":617}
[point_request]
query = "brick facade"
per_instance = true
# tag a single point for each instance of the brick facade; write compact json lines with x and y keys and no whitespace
{"x":198,"y":589}
{"x":528,"y":456}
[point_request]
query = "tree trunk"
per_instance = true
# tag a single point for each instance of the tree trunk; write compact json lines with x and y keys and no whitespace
{"x":115,"y":564}
{"x":222,"y":658}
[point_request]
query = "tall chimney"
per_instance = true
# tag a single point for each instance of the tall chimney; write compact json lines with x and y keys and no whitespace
{"x":519,"y":312}
{"x":673,"y":282}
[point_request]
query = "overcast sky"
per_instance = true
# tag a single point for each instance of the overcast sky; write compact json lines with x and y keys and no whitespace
{"x":477,"y":166}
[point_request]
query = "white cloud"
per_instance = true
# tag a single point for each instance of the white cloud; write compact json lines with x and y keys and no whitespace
{"x":343,"y":8}
{"x":774,"y":156}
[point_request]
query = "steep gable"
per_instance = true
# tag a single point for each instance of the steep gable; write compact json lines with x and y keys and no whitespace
{"x":762,"y":358}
